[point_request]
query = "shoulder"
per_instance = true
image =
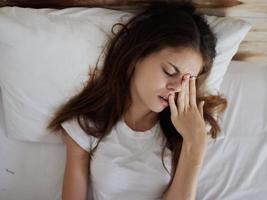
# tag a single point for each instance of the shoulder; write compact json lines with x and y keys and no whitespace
{"x":74,"y":130}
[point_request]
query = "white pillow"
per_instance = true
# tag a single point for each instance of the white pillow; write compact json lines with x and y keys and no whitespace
{"x":46,"y":53}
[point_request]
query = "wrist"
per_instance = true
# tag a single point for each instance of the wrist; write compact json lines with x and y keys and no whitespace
{"x":198,"y":142}
{"x":195,"y":151}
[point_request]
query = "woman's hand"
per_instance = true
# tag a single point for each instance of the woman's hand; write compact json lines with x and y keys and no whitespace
{"x":188,"y":117}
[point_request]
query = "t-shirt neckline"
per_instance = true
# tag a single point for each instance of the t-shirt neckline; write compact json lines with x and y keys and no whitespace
{"x":138,"y":134}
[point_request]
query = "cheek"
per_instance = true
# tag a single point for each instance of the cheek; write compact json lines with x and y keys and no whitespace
{"x":152,"y":83}
{"x":159,"y":82}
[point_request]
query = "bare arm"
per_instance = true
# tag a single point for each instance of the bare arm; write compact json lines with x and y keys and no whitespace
{"x":187,"y":116}
{"x":75,"y":184}
{"x":185,"y":179}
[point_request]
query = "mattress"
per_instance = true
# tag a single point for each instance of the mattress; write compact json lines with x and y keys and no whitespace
{"x":234,"y":168}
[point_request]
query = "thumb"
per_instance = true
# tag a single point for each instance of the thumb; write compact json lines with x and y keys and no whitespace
{"x":200,"y":108}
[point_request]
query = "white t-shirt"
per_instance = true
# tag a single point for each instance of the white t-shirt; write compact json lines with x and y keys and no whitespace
{"x":127,"y":164}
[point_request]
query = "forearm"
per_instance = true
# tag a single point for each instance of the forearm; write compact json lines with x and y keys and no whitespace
{"x":185,"y":179}
{"x":75,"y":182}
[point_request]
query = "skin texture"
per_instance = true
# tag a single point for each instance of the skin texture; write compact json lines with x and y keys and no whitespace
{"x":187,"y":118}
{"x":75,"y":183}
{"x":149,"y":81}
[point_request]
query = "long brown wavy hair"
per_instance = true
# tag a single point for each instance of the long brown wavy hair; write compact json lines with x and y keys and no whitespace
{"x":106,"y":95}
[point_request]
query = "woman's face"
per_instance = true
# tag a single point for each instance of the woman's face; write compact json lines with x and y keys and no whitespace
{"x":161,"y":74}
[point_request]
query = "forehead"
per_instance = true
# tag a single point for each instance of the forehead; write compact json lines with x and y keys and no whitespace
{"x":187,"y":60}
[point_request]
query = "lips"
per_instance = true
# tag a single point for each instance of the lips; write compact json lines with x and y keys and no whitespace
{"x":164,"y":101}
{"x":166,"y":98}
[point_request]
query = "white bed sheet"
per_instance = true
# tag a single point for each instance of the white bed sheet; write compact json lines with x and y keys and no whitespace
{"x":235,"y":167}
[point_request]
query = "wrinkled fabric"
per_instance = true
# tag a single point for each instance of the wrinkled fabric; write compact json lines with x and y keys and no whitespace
{"x":127,"y":164}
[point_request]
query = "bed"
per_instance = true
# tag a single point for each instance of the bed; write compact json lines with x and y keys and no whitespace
{"x":235,"y":166}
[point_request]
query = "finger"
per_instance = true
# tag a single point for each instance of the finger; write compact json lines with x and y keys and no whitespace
{"x":200,"y":108}
{"x":186,"y":99}
{"x":173,"y":107}
{"x":180,"y":99}
{"x":192,"y":92}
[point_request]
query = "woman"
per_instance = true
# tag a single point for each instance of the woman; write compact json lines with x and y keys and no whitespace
{"x":138,"y":128}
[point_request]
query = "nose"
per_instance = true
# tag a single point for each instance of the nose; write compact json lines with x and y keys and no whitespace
{"x":175,"y":85}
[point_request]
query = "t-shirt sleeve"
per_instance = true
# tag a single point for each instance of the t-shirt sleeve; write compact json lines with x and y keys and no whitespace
{"x":73,"y":129}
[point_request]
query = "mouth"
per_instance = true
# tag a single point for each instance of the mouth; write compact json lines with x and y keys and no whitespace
{"x":164,"y":100}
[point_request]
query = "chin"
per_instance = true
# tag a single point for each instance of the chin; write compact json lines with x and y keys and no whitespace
{"x":158,"y":108}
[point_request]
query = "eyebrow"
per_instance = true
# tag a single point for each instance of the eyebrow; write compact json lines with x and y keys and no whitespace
{"x":177,"y":70}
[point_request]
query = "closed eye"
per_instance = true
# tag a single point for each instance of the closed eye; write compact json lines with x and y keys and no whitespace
{"x":171,"y":75}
